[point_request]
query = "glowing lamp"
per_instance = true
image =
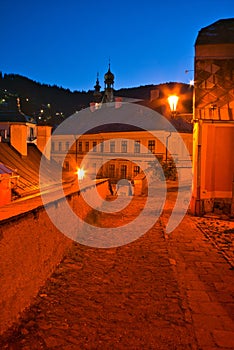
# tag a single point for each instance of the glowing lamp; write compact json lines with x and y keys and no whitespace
{"x":191,"y":82}
{"x":80,"y":173}
{"x":173,"y":100}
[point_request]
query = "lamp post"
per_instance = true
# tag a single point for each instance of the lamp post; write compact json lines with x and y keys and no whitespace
{"x":173,"y":100}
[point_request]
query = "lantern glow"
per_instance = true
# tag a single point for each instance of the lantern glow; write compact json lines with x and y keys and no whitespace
{"x":80,"y":173}
{"x":173,"y":100}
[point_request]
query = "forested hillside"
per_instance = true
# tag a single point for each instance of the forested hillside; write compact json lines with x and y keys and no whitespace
{"x":51,"y":104}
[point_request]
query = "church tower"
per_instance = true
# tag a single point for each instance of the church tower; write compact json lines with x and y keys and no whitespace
{"x":109,"y":85}
{"x":97,"y":93}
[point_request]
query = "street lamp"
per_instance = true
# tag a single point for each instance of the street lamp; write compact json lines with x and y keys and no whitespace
{"x":80,"y":173}
{"x":173,"y":100}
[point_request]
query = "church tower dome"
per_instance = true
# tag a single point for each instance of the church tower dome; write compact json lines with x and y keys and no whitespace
{"x":109,"y":86}
{"x":109,"y":78}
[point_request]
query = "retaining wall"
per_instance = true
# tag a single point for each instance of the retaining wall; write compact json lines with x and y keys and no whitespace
{"x":30,"y":249}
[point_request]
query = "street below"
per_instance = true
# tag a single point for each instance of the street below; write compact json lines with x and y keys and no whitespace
{"x":162,"y":291}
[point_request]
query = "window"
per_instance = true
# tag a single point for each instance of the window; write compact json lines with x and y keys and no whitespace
{"x":3,"y":133}
{"x":52,"y":146}
{"x":111,"y":170}
{"x":66,"y":165}
{"x":137,"y":146}
{"x":86,"y":146}
{"x":112,"y":147}
{"x":123,"y":171}
{"x":60,"y":146}
{"x":151,"y":146}
{"x":94,"y":146}
{"x":31,"y":136}
{"x":124,"y":147}
{"x":67,"y":145}
{"x":136,"y":170}
{"x":102,"y":147}
{"x":80,"y":146}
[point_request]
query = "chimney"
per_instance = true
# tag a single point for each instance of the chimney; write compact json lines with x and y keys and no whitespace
{"x":18,"y":138}
{"x":92,"y":106}
{"x":43,"y":137}
{"x":118,"y":102}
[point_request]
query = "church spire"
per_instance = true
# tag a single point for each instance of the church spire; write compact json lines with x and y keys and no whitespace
{"x":109,"y":85}
{"x":109,"y":78}
{"x":97,"y":94}
{"x":97,"y":87}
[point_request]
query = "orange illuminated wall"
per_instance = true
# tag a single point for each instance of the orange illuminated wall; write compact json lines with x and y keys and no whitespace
{"x":5,"y":190}
{"x":217,"y":160}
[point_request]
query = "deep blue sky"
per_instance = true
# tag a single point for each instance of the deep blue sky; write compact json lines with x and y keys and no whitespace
{"x":66,"y":42}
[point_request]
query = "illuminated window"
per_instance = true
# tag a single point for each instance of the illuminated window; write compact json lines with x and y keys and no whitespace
{"x":124,"y":147}
{"x":112,"y":147}
{"x":86,"y":146}
{"x":123,"y":171}
{"x":151,"y":146}
{"x":111,"y":170}
{"x":137,"y":146}
{"x":136,"y":170}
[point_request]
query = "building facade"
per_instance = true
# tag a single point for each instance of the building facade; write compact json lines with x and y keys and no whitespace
{"x":117,"y":151}
{"x":117,"y":155}
{"x":213,"y":137}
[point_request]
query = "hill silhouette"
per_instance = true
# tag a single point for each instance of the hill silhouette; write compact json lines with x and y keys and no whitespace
{"x":52,"y":104}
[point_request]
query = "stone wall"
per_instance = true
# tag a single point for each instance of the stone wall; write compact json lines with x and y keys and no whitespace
{"x":30,"y":249}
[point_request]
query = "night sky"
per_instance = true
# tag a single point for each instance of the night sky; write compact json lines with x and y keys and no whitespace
{"x":66,"y":42}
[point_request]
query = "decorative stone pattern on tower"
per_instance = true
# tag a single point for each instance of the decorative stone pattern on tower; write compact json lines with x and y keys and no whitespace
{"x":214,"y":119}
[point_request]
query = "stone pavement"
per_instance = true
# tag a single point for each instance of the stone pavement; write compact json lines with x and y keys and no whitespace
{"x":161,"y":291}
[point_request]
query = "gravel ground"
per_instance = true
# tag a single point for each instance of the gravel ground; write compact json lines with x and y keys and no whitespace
{"x":221,"y":234}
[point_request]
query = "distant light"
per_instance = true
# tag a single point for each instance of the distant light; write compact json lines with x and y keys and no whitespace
{"x":80,"y":173}
{"x":173,"y":100}
{"x":191,"y":82}
{"x":27,"y":99}
{"x":42,"y":110}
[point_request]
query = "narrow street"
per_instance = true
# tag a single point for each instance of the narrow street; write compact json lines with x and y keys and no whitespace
{"x":163,"y":292}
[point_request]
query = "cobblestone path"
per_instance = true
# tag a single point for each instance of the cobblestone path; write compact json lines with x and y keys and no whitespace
{"x":160,"y":292}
